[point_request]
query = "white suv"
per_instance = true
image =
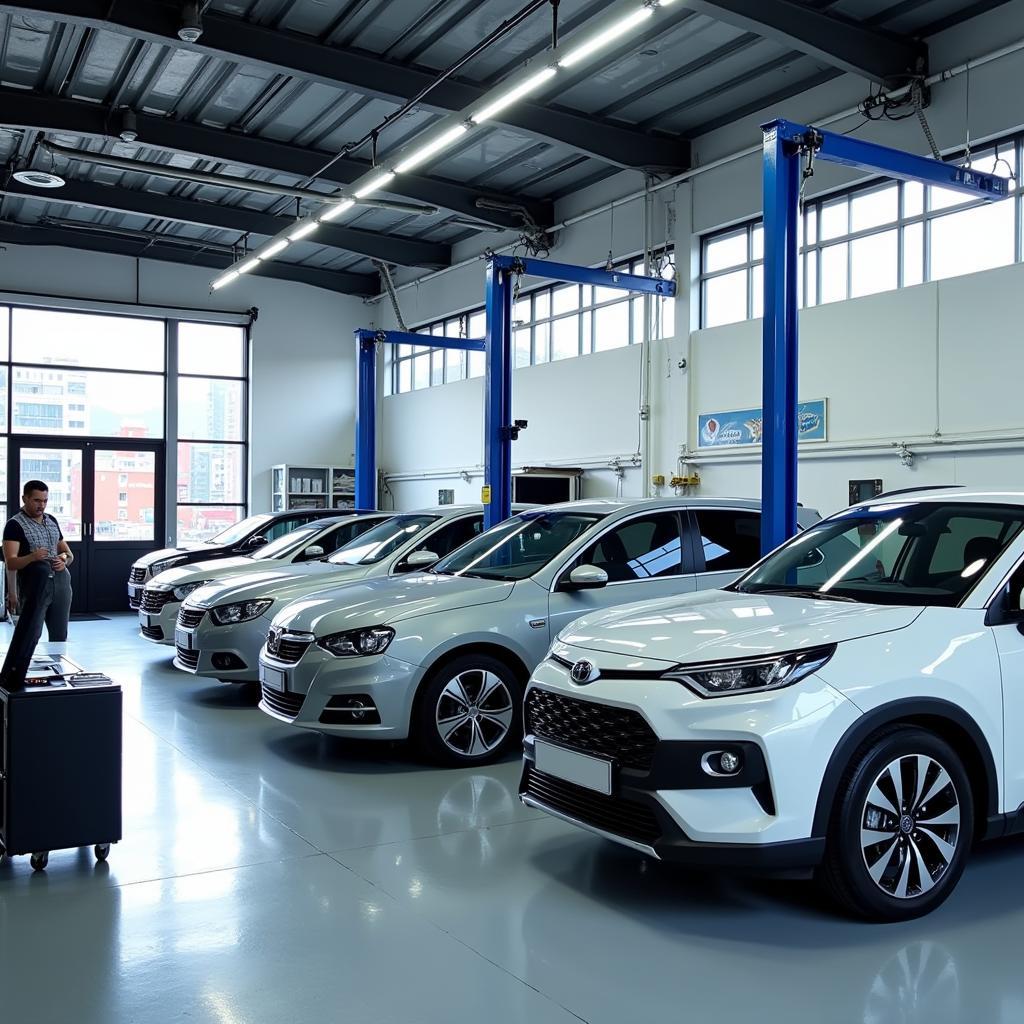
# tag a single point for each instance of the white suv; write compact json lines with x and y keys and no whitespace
{"x":853,"y":705}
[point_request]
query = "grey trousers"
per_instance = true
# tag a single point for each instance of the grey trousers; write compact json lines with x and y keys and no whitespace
{"x":45,"y":597}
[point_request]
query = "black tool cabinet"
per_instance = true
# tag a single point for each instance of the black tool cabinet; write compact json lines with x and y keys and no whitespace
{"x":60,"y":766}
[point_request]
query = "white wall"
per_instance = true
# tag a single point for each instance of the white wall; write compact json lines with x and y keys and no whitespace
{"x":303,"y":354}
{"x":936,"y":366}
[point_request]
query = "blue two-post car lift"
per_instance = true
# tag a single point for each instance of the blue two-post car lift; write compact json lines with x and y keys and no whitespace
{"x":790,"y":151}
{"x":499,"y":428}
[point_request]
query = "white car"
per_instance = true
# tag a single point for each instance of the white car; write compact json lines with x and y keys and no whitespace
{"x":221,"y":626}
{"x":853,"y":705}
{"x":163,"y":594}
{"x":444,"y":656}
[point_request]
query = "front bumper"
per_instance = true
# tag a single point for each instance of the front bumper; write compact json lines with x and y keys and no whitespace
{"x":158,"y":627}
{"x":656,"y":733}
{"x":312,"y":692}
{"x":230,"y":653}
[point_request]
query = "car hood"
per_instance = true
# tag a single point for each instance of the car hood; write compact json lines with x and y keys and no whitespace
{"x":392,"y":600}
{"x":186,"y":549}
{"x":214,"y":568}
{"x":282,"y":582}
{"x":721,"y":625}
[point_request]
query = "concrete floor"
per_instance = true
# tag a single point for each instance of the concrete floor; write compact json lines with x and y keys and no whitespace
{"x":268,"y":875}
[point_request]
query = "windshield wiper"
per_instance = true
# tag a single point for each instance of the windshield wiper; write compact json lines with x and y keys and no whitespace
{"x":821,"y":595}
{"x":490,"y":576}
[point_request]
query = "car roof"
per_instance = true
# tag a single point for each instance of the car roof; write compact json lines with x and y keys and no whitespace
{"x":315,"y":513}
{"x":344,"y":517}
{"x":604,"y":506}
{"x":452,"y":510}
{"x":949,"y":495}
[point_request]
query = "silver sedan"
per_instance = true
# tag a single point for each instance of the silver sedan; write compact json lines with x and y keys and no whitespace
{"x":444,"y":656}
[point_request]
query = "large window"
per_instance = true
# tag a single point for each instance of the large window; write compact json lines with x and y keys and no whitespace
{"x":104,"y":376}
{"x":869,"y":239}
{"x":556,"y":321}
{"x":211,"y":428}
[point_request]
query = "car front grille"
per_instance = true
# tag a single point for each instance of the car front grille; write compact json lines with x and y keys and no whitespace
{"x":600,"y":729}
{"x":611,"y":814}
{"x":154,"y":600}
{"x":137,"y":574}
{"x":189,"y":618}
{"x":287,"y":704}
{"x":190,"y":659}
{"x":152,"y":632}
{"x":134,"y":603}
{"x":287,"y":647}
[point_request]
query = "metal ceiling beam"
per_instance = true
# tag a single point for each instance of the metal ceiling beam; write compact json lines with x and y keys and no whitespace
{"x":845,"y":44}
{"x":228,"y":38}
{"x":333,"y":280}
{"x":22,"y":109}
{"x":406,"y":252}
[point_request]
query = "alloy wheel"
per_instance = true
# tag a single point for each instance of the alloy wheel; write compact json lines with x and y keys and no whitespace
{"x":474,"y":713}
{"x":910,"y":826}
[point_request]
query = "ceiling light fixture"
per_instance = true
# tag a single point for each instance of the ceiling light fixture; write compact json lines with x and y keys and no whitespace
{"x":191,"y":22}
{"x":231,"y":275}
{"x":336,"y":210}
{"x":129,"y":125}
{"x":374,"y":184}
{"x":304,"y":230}
{"x":273,"y":249}
{"x":425,"y":152}
{"x":250,"y":265}
{"x":39,"y":179}
{"x":531,"y":84}
{"x":601,"y":39}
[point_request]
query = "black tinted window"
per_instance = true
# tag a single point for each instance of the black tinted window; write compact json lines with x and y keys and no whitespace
{"x":340,"y":536}
{"x":731,"y":539}
{"x":639,"y":549}
{"x":452,"y":536}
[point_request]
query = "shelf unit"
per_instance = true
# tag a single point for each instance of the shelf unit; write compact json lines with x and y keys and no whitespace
{"x":295,"y":486}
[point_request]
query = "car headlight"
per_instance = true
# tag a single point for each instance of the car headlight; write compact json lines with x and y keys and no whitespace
{"x":358,"y":642}
{"x":227,"y":614}
{"x":180,"y":593}
{"x":751,"y":675}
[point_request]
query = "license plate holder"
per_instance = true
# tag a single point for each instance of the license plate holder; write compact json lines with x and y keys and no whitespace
{"x":273,"y":678}
{"x":183,"y":638}
{"x":135,"y":592}
{"x":572,"y":766}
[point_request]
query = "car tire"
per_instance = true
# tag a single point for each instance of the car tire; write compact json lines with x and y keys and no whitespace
{"x":469,"y":712}
{"x":897,"y":844}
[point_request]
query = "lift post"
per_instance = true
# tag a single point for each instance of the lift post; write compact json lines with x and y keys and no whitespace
{"x":499,"y":428}
{"x":786,"y":147}
{"x":366,"y":404}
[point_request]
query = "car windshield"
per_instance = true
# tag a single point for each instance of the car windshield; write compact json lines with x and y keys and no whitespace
{"x":909,"y":553}
{"x":519,"y":547}
{"x":288,"y":543}
{"x":233,"y":534}
{"x":383,"y":540}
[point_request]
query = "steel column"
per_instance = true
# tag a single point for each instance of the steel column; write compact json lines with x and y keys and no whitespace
{"x":779,"y":381}
{"x":366,"y":422}
{"x":498,"y":392}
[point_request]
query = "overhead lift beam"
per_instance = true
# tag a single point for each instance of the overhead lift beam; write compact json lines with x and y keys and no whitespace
{"x":499,"y":427}
{"x":22,"y":109}
{"x":786,"y":147}
{"x":228,"y":38}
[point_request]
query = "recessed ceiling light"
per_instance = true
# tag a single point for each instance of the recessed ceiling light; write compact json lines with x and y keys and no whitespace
{"x":39,"y":179}
{"x":648,"y":53}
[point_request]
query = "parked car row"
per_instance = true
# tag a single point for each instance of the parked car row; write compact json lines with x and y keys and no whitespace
{"x":847,"y":705}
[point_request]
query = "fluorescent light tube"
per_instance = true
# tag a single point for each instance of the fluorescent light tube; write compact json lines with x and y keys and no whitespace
{"x":304,"y":230}
{"x":232,"y":275}
{"x":336,"y":211}
{"x":529,"y":85}
{"x":601,"y":39}
{"x":273,"y":249}
{"x":427,"y":151}
{"x":246,"y":267}
{"x":371,"y":186}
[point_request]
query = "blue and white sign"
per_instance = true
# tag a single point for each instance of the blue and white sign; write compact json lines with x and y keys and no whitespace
{"x":743,"y":426}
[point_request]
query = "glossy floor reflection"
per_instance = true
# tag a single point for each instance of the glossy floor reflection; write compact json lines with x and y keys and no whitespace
{"x":268,"y":875}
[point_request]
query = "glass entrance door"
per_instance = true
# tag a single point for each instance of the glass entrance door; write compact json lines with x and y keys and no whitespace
{"x":107,"y":497}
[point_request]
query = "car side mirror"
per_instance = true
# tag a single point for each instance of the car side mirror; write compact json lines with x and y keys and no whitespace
{"x":420,"y":560}
{"x":1021,"y":601}
{"x":256,"y":542}
{"x":313,"y":551}
{"x":586,"y":577}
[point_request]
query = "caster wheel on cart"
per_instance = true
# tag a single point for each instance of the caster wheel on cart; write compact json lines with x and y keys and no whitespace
{"x":102,"y":851}
{"x":39,"y":861}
